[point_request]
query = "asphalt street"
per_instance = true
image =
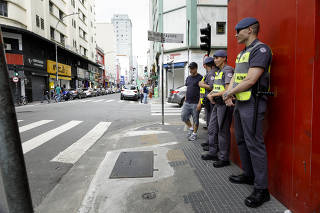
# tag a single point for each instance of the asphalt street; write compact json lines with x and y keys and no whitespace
{"x":55,"y":136}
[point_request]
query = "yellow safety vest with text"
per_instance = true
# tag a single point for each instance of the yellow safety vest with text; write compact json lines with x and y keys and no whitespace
{"x":202,"y":91}
{"x":218,"y":84}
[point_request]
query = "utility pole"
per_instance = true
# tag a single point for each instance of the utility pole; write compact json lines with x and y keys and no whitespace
{"x":14,"y":184}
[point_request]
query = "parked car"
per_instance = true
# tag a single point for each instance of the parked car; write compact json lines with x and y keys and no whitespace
{"x":129,"y":92}
{"x":87,"y":92}
{"x":77,"y":93}
{"x":177,"y":95}
{"x":102,"y":91}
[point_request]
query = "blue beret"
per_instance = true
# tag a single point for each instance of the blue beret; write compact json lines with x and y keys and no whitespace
{"x":220,"y":53}
{"x":208,"y":60}
{"x":246,"y":22}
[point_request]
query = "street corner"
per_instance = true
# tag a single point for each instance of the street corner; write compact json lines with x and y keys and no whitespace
{"x":123,"y":182}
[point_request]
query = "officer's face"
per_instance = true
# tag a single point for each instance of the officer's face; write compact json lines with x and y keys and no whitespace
{"x":242,"y":35}
{"x":219,"y":61}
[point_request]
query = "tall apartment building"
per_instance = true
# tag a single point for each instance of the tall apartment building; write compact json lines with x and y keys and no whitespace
{"x":30,"y":30}
{"x":185,"y":17}
{"x":123,"y":32}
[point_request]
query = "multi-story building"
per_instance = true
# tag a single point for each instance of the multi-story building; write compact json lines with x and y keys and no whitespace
{"x":123,"y":32}
{"x":185,"y":17}
{"x":106,"y":39}
{"x":32,"y":28}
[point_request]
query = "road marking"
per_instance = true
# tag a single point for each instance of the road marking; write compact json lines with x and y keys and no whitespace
{"x":120,"y":101}
{"x":45,"y":137}
{"x":153,"y":114}
{"x":109,"y":101}
{"x":20,"y":121}
{"x":33,"y":125}
{"x":98,"y":101}
{"x":85,"y":101}
{"x":74,"y":152}
{"x":142,"y":132}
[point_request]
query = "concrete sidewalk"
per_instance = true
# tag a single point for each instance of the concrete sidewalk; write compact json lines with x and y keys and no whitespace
{"x":181,"y":182}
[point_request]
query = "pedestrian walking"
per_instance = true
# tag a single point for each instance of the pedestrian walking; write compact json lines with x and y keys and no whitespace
{"x":221,"y":115}
{"x":192,"y":105}
{"x":45,"y":95}
{"x":58,"y":92}
{"x":141,"y":93}
{"x":145,"y":94}
{"x":251,"y":77}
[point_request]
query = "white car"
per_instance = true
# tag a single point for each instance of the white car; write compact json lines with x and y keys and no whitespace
{"x":129,"y":92}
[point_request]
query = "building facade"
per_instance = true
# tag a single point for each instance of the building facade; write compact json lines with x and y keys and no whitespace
{"x":106,"y":39}
{"x":185,"y":17}
{"x":123,"y":34}
{"x":31,"y":29}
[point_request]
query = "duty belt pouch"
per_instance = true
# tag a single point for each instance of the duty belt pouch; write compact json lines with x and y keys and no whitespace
{"x":218,"y":100}
{"x":206,"y":103}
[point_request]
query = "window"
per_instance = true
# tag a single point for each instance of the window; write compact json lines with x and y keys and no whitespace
{"x":50,"y":7}
{"x":42,"y":24}
{"x":83,"y":50}
{"x":52,"y":33}
{"x":74,"y":23}
{"x":82,"y":16}
{"x":82,"y":33}
{"x":37,"y":21}
{"x":60,"y":15}
{"x":72,"y":3}
{"x":221,"y":28}
{"x":62,"y":39}
{"x":3,"y":8}
{"x":82,"y":1}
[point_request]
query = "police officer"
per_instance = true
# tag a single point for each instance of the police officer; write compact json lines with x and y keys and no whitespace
{"x":206,"y":86}
{"x":251,"y":77}
{"x":221,"y":116}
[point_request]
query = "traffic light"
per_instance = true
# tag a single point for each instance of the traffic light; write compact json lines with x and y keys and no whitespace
{"x":205,"y":38}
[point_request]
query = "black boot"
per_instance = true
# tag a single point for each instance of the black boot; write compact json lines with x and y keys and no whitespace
{"x":241,"y":179}
{"x":204,"y":144}
{"x":206,"y":148}
{"x":221,"y":163}
{"x":208,"y":156}
{"x":257,"y":198}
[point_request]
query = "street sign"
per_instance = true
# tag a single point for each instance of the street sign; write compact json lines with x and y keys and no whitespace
{"x":15,"y":79}
{"x":172,"y":38}
{"x":165,"y":37}
{"x":154,"y":36}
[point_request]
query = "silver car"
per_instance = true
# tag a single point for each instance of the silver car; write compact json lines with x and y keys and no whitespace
{"x":177,"y":95}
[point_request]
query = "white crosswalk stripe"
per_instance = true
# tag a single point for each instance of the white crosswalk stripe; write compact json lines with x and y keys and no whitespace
{"x":47,"y":136}
{"x":98,"y":101}
{"x":169,"y":110}
{"x":20,"y":121}
{"x":108,"y":101}
{"x":74,"y":152}
{"x":84,"y":101}
{"x":33,"y":125}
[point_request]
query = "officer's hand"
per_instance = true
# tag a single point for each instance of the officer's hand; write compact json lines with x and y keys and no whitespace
{"x":199,"y":107}
{"x":229,"y":102}
{"x":227,"y":95}
{"x":210,"y":98}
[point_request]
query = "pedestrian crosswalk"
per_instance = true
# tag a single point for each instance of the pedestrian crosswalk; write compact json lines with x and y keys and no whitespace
{"x":70,"y":154}
{"x":169,"y":109}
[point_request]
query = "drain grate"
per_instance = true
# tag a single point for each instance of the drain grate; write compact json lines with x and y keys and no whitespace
{"x":149,"y":195}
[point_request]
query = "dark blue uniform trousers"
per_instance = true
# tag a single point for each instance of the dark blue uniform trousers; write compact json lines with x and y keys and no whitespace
{"x":251,"y":145}
{"x":219,"y":131}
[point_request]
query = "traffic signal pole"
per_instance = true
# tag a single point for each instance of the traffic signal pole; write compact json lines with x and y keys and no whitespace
{"x":14,"y":187}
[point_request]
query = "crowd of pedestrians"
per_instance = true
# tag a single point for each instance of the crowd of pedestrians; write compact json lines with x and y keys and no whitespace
{"x":234,"y":94}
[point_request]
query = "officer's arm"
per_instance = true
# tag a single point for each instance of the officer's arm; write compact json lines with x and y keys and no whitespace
{"x":254,"y":74}
{"x":204,"y":85}
{"x":214,"y":94}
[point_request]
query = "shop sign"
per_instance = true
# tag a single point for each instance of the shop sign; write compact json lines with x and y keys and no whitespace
{"x":81,"y":73}
{"x":63,"y":69}
{"x":61,"y":77}
{"x":34,"y":62}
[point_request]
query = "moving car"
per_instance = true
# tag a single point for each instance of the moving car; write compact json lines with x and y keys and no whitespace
{"x":129,"y":92}
{"x":177,"y":95}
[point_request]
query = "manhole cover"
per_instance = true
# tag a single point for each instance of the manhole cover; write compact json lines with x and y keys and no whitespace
{"x":149,"y":195}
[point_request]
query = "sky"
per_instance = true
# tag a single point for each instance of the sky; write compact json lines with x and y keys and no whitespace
{"x":138,"y":12}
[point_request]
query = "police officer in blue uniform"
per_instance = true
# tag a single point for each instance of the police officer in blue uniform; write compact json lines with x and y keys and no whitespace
{"x":221,"y":116}
{"x":250,"y":80}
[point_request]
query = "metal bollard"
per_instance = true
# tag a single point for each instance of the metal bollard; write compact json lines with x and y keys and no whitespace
{"x":14,"y":184}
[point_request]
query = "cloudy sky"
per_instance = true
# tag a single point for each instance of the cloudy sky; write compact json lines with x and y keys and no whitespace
{"x":138,"y":11}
